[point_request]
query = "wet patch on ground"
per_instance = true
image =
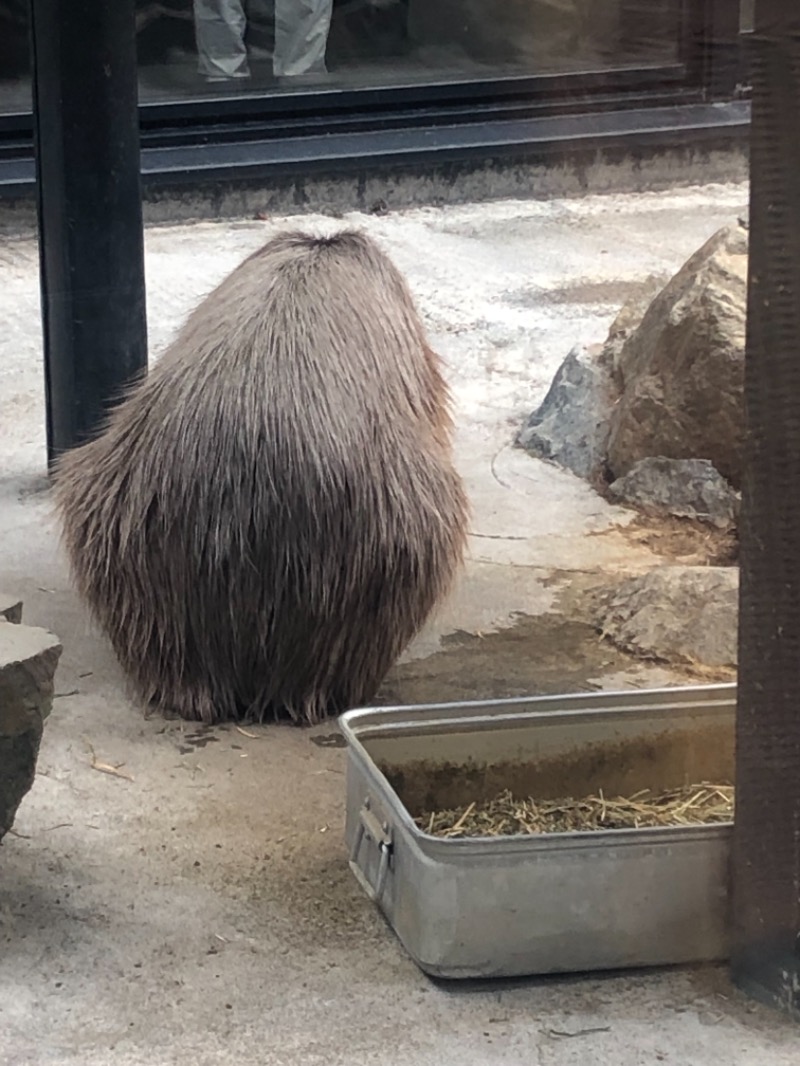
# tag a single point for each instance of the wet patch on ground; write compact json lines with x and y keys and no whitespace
{"x":541,"y":655}
{"x":557,"y":652}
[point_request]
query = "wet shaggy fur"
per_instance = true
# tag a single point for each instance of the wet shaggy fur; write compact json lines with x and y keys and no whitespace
{"x":272,"y":514}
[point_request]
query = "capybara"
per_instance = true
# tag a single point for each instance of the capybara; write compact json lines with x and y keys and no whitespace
{"x":270,"y":516}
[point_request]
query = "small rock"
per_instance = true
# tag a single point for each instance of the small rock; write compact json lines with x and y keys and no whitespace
{"x":28,"y":660}
{"x":677,"y":614}
{"x":687,"y":488}
{"x":10,"y":608}
{"x":570,"y":427}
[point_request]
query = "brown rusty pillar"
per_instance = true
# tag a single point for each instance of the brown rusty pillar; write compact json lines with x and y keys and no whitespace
{"x":766,"y":846}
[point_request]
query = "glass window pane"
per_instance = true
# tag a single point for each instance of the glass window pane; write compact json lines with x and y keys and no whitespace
{"x":746,"y":15}
{"x":15,"y":81}
{"x":189,"y":48}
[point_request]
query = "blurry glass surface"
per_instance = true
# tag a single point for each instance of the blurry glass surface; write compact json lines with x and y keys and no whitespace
{"x":746,"y":11}
{"x":191,"y":48}
{"x":15,"y":79}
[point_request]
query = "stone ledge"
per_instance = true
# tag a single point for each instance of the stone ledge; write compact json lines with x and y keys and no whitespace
{"x":28,"y":660}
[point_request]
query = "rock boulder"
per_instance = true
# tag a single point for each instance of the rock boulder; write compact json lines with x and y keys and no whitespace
{"x":684,"y":614}
{"x":681,"y":372}
{"x":570,"y":428}
{"x":28,"y":660}
{"x":686,"y":488}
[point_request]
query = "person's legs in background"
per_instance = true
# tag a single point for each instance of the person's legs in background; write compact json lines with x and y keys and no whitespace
{"x":219,"y":29}
{"x":301,"y":36}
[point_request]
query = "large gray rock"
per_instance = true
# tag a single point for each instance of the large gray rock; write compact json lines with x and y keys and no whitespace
{"x":570,"y":427}
{"x":682,"y":614}
{"x":687,"y":488}
{"x":681,"y":372}
{"x":28,"y":660}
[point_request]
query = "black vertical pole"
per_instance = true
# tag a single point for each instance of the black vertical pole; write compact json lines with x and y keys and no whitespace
{"x":766,"y":839}
{"x":90,"y":213}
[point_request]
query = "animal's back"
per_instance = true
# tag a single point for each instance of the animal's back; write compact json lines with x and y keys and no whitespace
{"x":273,"y":512}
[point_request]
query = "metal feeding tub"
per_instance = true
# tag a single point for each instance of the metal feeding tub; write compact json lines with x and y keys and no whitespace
{"x":549,"y":903}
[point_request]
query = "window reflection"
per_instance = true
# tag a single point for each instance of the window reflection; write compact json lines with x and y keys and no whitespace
{"x":280,"y":44}
{"x":15,"y":92}
{"x":746,"y":12}
{"x":218,"y":47}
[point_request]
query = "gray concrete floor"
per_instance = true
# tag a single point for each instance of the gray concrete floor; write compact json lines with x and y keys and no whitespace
{"x":199,"y":909}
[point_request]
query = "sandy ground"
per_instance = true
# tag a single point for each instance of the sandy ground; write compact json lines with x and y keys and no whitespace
{"x":200,"y":909}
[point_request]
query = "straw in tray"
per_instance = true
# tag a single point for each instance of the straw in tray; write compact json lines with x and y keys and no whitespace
{"x":507,"y":815}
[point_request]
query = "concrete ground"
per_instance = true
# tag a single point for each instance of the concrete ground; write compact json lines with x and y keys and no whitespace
{"x":196,"y":907}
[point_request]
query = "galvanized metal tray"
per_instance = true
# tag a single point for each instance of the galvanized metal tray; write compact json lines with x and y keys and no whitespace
{"x":566,"y":902}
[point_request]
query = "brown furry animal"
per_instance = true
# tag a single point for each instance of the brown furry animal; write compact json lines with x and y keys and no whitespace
{"x":272,"y":514}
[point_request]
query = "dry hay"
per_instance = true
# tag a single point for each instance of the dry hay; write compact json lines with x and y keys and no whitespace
{"x":684,"y":540}
{"x":507,"y":815}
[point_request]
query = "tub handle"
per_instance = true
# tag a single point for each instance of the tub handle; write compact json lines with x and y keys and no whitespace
{"x":378,"y":833}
